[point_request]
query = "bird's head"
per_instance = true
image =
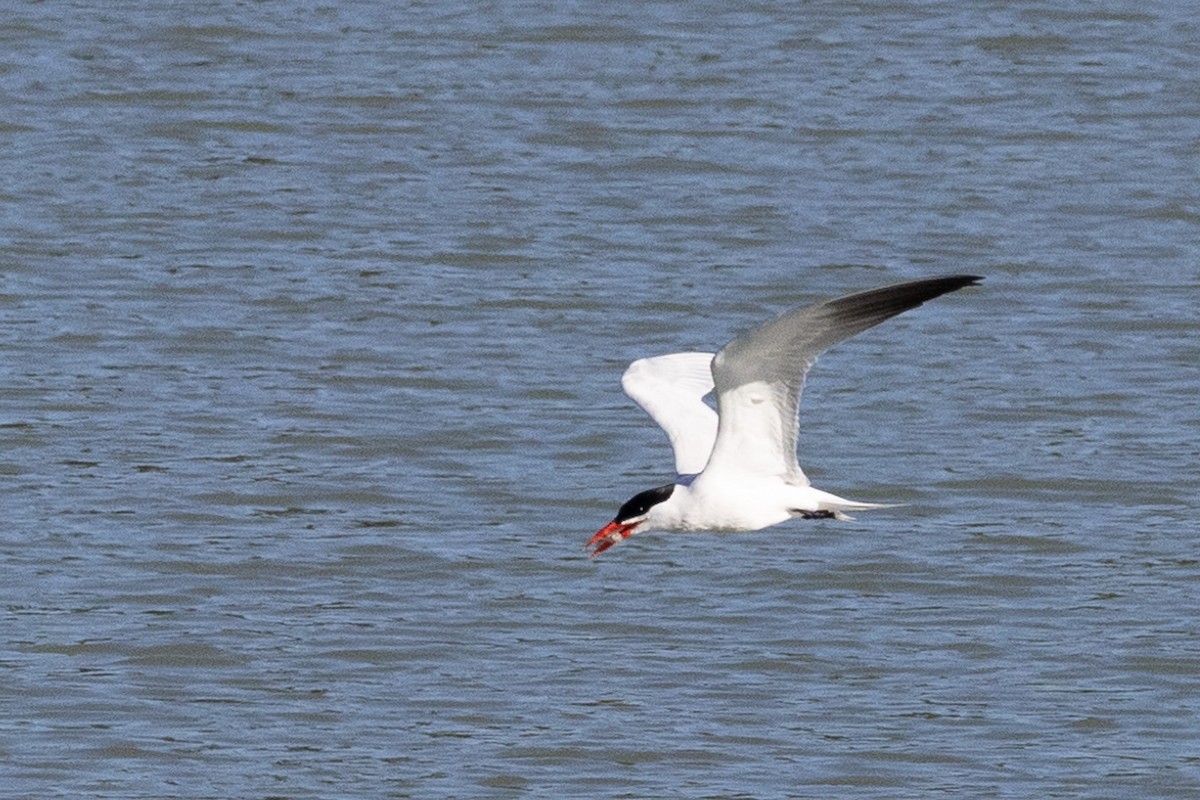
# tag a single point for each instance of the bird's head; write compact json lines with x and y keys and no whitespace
{"x":633,"y":517}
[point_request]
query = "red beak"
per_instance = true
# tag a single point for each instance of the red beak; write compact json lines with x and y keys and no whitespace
{"x":612,"y":533}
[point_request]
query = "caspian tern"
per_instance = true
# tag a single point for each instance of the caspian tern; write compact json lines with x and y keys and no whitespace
{"x":737,"y":468}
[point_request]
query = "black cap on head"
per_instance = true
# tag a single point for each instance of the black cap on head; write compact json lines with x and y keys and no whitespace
{"x":641,"y":502}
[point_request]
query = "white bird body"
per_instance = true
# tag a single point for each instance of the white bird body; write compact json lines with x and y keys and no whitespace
{"x":712,"y":504}
{"x":737,"y":467}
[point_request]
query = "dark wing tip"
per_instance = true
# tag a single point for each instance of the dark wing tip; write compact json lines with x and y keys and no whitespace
{"x":879,"y":304}
{"x":785,"y":347}
{"x":962,"y":280}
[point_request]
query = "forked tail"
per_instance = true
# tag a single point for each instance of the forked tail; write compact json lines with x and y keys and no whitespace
{"x":830,"y":506}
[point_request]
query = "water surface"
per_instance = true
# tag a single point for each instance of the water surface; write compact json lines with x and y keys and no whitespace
{"x":313,"y":319}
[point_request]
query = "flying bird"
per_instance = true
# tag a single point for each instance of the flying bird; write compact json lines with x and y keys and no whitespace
{"x":736,"y":466}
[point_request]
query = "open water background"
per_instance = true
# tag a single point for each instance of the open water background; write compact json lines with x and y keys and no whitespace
{"x":312,"y":318}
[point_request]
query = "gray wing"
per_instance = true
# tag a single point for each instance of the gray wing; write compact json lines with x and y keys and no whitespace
{"x":759,"y":376}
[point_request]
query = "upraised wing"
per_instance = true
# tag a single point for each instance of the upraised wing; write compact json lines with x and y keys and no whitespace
{"x":759,"y":376}
{"x":671,"y":389}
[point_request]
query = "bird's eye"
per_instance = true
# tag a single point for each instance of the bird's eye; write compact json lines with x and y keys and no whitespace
{"x":642,"y":502}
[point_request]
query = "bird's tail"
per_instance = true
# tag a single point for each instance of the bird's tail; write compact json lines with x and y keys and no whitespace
{"x":833,"y":506}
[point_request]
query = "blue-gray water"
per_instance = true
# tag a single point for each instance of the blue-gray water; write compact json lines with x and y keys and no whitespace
{"x":313,"y":318}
